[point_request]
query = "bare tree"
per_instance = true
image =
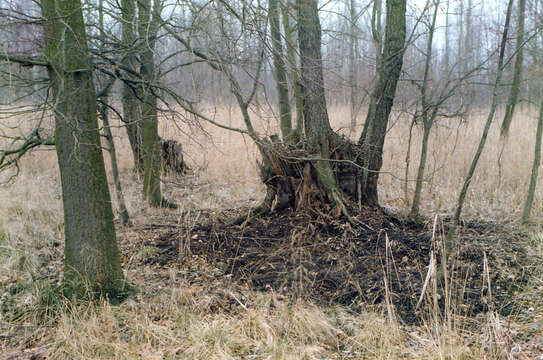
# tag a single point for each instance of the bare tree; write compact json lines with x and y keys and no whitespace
{"x":373,"y":134}
{"x":428,"y":115}
{"x":103,"y":108}
{"x":493,"y":106}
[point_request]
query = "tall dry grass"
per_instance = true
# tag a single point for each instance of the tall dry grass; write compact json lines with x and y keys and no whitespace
{"x":496,"y":192}
{"x":172,"y":319}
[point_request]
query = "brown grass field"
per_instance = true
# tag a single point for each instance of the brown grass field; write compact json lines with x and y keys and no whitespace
{"x":179,"y":312}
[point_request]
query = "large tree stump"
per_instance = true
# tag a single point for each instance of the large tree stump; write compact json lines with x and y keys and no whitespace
{"x":291,"y":175}
{"x":172,"y":157}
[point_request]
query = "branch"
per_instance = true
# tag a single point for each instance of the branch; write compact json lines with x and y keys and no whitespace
{"x":24,"y":61}
{"x":11,"y":157}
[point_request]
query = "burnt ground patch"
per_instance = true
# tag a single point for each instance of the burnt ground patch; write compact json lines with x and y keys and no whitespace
{"x":330,"y":261}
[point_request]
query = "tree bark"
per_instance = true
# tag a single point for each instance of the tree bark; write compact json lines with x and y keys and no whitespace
{"x":130,"y":103}
{"x":517,"y":74}
{"x":123,"y":212}
{"x":373,"y":136}
{"x":377,"y":37}
{"x":317,"y":124}
{"x":285,"y":115}
{"x":92,"y":261}
{"x":291,"y":53}
{"x":535,"y":169}
{"x":353,"y":64}
{"x":148,"y":27}
{"x":428,"y":116}
{"x":103,"y":110}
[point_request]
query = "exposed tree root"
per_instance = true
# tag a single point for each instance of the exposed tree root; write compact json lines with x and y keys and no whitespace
{"x":302,"y":181}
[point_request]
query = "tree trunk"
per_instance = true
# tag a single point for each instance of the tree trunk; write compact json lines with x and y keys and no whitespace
{"x":535,"y":169}
{"x":377,"y":38}
{"x":103,"y":110}
{"x":123,"y":212}
{"x":353,"y":64}
{"x":493,"y":106}
{"x":373,"y":136}
{"x":513,"y":95}
{"x":92,"y":261}
{"x":285,"y":116}
{"x":317,"y":124}
{"x":420,"y":173}
{"x":447,"y":44}
{"x":428,"y":117}
{"x":130,"y":103}
{"x":147,"y":28}
{"x":319,"y":135}
{"x":291,"y":53}
{"x":320,"y":171}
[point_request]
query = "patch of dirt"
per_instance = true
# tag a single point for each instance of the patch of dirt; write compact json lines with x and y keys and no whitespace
{"x":329,"y":261}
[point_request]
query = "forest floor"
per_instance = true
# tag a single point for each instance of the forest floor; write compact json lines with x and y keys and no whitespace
{"x":295,"y":285}
{"x":301,"y":285}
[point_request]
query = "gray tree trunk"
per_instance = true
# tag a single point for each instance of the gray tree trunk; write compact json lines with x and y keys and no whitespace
{"x":517,"y":74}
{"x":285,"y":115}
{"x":428,"y":116}
{"x":317,"y":124}
{"x":373,"y":136}
{"x":92,"y":261}
{"x":123,"y":212}
{"x":103,"y":110}
{"x":130,"y":103}
{"x":376,"y":33}
{"x":291,"y":53}
{"x":353,"y":64}
{"x":535,"y":169}
{"x":148,"y":28}
{"x":318,"y":131}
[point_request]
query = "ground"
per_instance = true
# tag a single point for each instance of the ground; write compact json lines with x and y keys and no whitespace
{"x":305,"y":285}
{"x":329,"y":261}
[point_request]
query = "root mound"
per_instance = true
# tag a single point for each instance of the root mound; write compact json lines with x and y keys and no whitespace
{"x":327,"y":260}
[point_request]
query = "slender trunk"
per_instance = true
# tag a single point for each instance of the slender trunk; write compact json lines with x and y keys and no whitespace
{"x":427,"y":118}
{"x":420,"y":174}
{"x":151,"y":153}
{"x":535,"y":169}
{"x":407,"y":163}
{"x":291,"y":54}
{"x":92,"y":260}
{"x":123,"y":212}
{"x":468,"y":47}
{"x":353,"y":64}
{"x":513,"y":95}
{"x":447,"y":44}
{"x":130,"y":103}
{"x":376,"y":33}
{"x":285,"y":115}
{"x":461,"y":56}
{"x":489,"y":119}
{"x":373,"y":136}
{"x":103,"y":111}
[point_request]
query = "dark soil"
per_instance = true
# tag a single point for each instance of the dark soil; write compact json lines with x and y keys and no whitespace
{"x":330,"y":261}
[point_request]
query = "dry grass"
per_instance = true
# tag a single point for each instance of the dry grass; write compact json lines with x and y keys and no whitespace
{"x":229,"y":159}
{"x":173,"y":318}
